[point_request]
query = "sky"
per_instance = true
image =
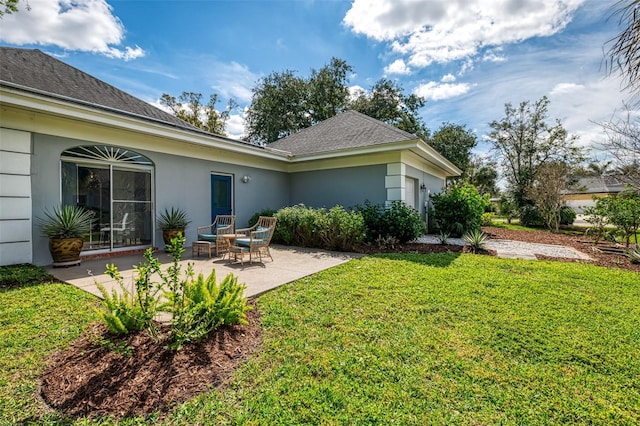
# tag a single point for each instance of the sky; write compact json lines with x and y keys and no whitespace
{"x":467,"y":58}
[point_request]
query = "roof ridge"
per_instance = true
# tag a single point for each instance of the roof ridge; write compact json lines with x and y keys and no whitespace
{"x":380,"y":122}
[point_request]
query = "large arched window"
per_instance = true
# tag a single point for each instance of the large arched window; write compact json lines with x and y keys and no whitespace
{"x":117,"y":185}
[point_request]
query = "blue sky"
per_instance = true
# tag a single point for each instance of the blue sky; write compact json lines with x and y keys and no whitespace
{"x":466,"y":57}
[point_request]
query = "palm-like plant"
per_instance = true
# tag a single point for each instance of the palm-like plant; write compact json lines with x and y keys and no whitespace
{"x":476,"y":239}
{"x":66,"y":222}
{"x":173,"y":219}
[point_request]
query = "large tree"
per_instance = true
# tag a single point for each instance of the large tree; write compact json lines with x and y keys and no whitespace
{"x":524,"y":142}
{"x":189,"y":107}
{"x":483,"y":174}
{"x":455,"y":143}
{"x":387,"y":102}
{"x":284,"y":103}
{"x":624,"y":49}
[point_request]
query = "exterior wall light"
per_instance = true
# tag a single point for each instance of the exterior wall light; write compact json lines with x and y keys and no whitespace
{"x":245,"y":179}
{"x":423,"y":187}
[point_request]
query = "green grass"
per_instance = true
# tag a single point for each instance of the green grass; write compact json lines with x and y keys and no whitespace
{"x":35,"y":320}
{"x":431,"y":339}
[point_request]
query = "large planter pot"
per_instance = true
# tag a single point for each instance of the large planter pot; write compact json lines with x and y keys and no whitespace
{"x":65,"y":251}
{"x":170,"y":234}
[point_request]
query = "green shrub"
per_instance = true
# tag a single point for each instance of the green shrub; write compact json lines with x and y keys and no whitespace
{"x":567,"y":216}
{"x":487,"y":219}
{"x":398,"y":220}
{"x":341,"y":230}
{"x":335,"y":229}
{"x":299,"y":226}
{"x":126,"y":311}
{"x":530,"y":216}
{"x":403,"y":222}
{"x":458,"y":208}
{"x":264,"y":212}
{"x":206,"y":306}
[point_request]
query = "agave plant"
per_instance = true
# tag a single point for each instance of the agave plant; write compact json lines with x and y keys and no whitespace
{"x":475,"y":239}
{"x":175,"y":218}
{"x":66,"y":222}
{"x":633,"y":254}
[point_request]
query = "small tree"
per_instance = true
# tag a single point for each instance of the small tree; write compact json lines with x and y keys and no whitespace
{"x":623,"y":212}
{"x":546,"y":192}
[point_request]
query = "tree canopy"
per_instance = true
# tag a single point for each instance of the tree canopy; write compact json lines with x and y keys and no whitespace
{"x":189,"y":107}
{"x":8,"y":7}
{"x":284,"y":103}
{"x":524,"y":142}
{"x":455,"y":143}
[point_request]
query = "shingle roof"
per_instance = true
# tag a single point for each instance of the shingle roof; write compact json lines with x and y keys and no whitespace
{"x":599,"y":184}
{"x":35,"y":70}
{"x":349,"y":129}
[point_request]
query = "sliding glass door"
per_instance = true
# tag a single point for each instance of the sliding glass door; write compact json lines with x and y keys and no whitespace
{"x":118,"y":193}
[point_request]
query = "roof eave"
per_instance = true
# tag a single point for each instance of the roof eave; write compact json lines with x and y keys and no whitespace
{"x":55,"y":105}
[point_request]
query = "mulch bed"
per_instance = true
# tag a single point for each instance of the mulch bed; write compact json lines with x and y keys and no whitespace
{"x":137,"y":376}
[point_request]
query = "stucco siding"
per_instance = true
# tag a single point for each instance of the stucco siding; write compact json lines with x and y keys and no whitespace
{"x":347,"y":187}
{"x":180,"y":181}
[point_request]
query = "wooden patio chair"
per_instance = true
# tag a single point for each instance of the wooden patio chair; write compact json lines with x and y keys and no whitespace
{"x":223,"y":224}
{"x":256,"y":240}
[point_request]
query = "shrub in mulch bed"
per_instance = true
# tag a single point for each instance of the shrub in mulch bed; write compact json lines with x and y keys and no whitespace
{"x":137,"y":375}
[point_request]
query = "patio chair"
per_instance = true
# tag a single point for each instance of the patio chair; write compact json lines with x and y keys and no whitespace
{"x":120,"y":227}
{"x":223,"y":224}
{"x":256,"y":240}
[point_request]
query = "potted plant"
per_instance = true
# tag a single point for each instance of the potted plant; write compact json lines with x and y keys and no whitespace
{"x":65,"y":226}
{"x":172,"y":222}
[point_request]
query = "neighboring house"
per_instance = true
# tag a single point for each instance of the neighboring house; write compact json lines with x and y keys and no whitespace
{"x":581,"y":196}
{"x":67,"y":137}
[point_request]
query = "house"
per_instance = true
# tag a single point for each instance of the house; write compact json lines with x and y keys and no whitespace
{"x":67,"y":137}
{"x":581,"y":196}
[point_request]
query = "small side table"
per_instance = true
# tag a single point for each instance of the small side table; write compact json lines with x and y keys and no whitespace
{"x":200,"y":247}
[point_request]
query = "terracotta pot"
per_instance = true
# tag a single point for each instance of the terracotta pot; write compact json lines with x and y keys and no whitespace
{"x":65,"y":251}
{"x":169,"y":234}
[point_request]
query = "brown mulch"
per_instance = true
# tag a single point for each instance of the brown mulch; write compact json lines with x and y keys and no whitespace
{"x":577,"y":241}
{"x":421,"y":249}
{"x":100,"y":375}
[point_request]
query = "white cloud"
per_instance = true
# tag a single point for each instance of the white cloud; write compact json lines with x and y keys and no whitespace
{"x":437,"y":91}
{"x":450,"y":30}
{"x":233,"y":80}
{"x":494,"y":55}
{"x":355,"y":91}
{"x":397,"y":67}
{"x":235,"y":126}
{"x":448,"y":78}
{"x":565,"y":88}
{"x":84,"y":25}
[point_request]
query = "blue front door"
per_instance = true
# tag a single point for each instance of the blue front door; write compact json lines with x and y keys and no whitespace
{"x":220,"y":195}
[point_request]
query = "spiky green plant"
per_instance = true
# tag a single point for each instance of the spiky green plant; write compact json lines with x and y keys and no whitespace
{"x":633,"y":254}
{"x":175,"y":218}
{"x":475,"y":239}
{"x":66,"y":222}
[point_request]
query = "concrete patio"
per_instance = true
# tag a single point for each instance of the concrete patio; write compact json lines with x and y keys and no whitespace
{"x":289,"y":264}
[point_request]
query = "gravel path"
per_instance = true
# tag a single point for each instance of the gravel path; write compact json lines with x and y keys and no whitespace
{"x":516,"y":249}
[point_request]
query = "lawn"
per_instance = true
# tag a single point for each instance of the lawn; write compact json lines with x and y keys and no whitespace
{"x":395,"y":339}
